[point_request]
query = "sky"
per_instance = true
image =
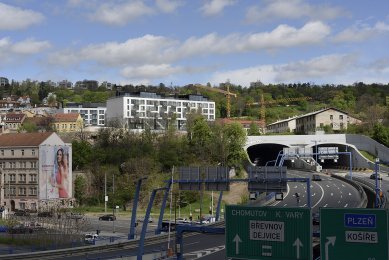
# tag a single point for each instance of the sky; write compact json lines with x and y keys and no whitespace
{"x":180,"y":42}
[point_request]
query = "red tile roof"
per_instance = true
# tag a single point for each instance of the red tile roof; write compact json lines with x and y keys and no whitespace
{"x":70,"y":117}
{"x":23,"y":139}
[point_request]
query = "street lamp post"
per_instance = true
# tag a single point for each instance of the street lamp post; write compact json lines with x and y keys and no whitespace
{"x":377,"y":189}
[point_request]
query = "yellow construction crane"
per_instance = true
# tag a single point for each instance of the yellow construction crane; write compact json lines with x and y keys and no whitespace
{"x":263,"y":103}
{"x":227,"y":93}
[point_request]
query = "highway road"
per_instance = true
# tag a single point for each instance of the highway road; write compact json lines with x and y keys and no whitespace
{"x":329,"y":192}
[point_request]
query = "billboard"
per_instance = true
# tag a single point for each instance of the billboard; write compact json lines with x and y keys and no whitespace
{"x":55,"y":172}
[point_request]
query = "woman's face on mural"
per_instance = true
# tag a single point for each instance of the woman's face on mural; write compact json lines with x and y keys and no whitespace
{"x":59,"y":155}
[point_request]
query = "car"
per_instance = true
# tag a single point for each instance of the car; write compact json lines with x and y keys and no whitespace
{"x":108,"y":217}
{"x":90,"y":238}
{"x":75,"y":215}
{"x":45,"y":214}
{"x":316,"y":177}
{"x":21,"y":213}
{"x":316,"y":218}
{"x":20,"y":229}
{"x":373,"y":176}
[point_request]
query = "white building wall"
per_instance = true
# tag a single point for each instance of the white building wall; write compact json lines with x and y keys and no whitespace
{"x":88,"y":114}
{"x":115,"y":109}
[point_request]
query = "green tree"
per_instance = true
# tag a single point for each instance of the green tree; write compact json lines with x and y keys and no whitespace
{"x":28,"y":127}
{"x":254,"y":129}
{"x":82,"y":154}
{"x":80,"y":186}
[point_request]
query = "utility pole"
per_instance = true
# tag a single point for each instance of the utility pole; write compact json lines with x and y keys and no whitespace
{"x":113,"y":202}
{"x":105,"y":192}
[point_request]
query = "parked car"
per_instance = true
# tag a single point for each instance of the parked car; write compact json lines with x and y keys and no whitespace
{"x":21,"y":213}
{"x":75,"y":215}
{"x":316,"y":218}
{"x":20,"y":229}
{"x":109,"y":217}
{"x":316,"y":177}
{"x":90,"y":238}
{"x":373,"y":176}
{"x":45,"y":214}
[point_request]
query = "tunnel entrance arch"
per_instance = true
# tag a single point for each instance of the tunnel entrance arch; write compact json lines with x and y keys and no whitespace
{"x":260,"y":154}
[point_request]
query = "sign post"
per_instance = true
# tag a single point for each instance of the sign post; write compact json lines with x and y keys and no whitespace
{"x":268,"y":232}
{"x":354,"y":234}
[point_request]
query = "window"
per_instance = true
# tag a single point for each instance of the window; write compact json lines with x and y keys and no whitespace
{"x":24,"y":165}
{"x":33,"y":178}
{"x":22,"y":205}
{"x":22,"y":191}
{"x":33,"y":191}
{"x":12,"y":152}
{"x":22,"y":178}
{"x":33,"y":151}
{"x":2,"y":152}
{"x":12,"y":177}
{"x":331,"y":117}
{"x":340,"y":117}
{"x":33,"y":165}
{"x":22,"y":152}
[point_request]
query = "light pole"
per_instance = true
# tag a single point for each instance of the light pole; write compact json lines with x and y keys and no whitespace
{"x":113,"y":202}
{"x":377,"y":189}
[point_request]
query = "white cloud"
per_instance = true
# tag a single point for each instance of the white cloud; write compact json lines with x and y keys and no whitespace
{"x":319,"y":67}
{"x":291,"y":9}
{"x":26,"y":47}
{"x":281,"y":37}
{"x":143,"y":50}
{"x":150,"y":71}
{"x":214,"y":7}
{"x":329,"y":66}
{"x":121,"y":14}
{"x":14,"y":18}
{"x":151,"y":49}
{"x":30,"y":46}
{"x":359,"y":33}
{"x":168,"y":6}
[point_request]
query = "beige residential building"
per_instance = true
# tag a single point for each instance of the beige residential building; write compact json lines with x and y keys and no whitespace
{"x":335,"y":118}
{"x":27,"y":166}
{"x":282,"y":126}
{"x":71,"y":122}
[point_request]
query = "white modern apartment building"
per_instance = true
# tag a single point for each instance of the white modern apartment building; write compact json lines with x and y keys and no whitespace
{"x":139,"y":111}
{"x":93,"y":114}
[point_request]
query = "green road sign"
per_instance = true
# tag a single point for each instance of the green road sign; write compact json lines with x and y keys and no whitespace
{"x":268,"y":233}
{"x":358,"y":234}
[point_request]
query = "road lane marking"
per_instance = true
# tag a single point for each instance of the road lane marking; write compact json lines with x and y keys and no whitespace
{"x":322,"y":195}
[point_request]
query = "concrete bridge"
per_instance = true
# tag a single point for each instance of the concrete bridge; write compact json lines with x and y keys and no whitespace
{"x":263,"y":149}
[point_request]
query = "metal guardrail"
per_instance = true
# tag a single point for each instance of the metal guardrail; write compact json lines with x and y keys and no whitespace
{"x":364,"y":200}
{"x":84,"y":250}
{"x":372,"y":188}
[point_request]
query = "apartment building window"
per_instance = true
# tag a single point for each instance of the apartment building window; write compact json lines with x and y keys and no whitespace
{"x":22,"y":191}
{"x":12,"y":152}
{"x":24,"y":165}
{"x":22,"y":152}
{"x":22,"y":178}
{"x":12,"y":191}
{"x":2,"y":165}
{"x":2,"y":152}
{"x":33,"y":151}
{"x":22,"y":205}
{"x":331,"y":117}
{"x":33,"y":165}
{"x":33,"y":178}
{"x":33,"y":191}
{"x":12,"y":177}
{"x":340,"y":117}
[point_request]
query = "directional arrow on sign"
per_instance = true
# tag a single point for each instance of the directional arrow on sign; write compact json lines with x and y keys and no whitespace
{"x":331,"y":240}
{"x":298,"y":244}
{"x":237,"y":240}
